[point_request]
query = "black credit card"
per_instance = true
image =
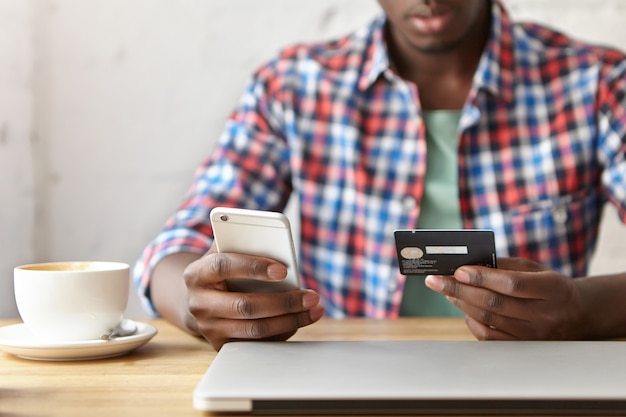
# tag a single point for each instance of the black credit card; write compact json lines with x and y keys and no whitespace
{"x":442,"y":251}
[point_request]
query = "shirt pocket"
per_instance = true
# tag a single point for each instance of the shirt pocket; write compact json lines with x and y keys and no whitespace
{"x":558,"y":232}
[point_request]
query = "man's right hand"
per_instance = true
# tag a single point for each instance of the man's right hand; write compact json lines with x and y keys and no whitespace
{"x":222,"y":316}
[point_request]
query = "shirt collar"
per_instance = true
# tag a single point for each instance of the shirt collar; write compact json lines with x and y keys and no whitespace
{"x":495,"y":72}
{"x":376,"y":57}
{"x":495,"y":69}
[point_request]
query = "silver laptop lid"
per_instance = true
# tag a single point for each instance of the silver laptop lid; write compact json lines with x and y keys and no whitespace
{"x":418,"y":377}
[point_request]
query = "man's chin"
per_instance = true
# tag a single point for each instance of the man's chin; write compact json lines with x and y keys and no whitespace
{"x":438,"y":48}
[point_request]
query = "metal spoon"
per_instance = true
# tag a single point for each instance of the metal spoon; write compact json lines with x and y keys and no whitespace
{"x":126,"y":327}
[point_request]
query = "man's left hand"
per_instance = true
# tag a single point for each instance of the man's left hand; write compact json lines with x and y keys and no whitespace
{"x":520,"y":300}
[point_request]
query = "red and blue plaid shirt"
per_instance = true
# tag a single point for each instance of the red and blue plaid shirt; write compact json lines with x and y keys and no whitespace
{"x":542,"y":146}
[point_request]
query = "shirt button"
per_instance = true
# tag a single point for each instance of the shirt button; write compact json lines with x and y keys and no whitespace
{"x":560,"y":214}
{"x":392,"y":286}
{"x":409,"y":203}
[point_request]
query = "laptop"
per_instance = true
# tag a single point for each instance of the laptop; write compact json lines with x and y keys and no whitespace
{"x":416,"y":377}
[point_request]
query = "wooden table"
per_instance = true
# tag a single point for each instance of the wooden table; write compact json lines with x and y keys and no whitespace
{"x":158,"y":378}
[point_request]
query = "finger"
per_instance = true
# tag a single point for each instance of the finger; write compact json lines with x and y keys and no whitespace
{"x":529,"y":285}
{"x":511,"y":321}
{"x":484,"y":332}
{"x":478,"y":301}
{"x":217,"y":267}
{"x":220,"y":331}
{"x":231,"y":305}
{"x":521,"y":264}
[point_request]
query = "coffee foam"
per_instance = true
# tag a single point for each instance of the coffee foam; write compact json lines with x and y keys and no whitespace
{"x":68,"y":266}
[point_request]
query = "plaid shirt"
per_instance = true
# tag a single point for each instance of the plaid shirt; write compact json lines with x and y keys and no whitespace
{"x":542,"y":146}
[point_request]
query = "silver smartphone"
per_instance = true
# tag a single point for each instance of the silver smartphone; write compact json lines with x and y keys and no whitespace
{"x":260,"y":233}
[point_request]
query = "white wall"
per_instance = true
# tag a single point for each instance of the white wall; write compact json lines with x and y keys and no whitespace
{"x":17,"y":202}
{"x":107,"y":106}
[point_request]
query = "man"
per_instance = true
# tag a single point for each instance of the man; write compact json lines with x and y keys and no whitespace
{"x":438,"y":114}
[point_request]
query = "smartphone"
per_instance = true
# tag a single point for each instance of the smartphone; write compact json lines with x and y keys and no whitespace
{"x":260,"y":233}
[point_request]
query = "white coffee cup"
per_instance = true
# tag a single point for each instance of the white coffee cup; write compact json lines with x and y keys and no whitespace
{"x":71,"y":301}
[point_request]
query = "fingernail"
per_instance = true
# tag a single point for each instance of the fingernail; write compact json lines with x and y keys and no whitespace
{"x":276,"y":272}
{"x":462,"y":275}
{"x":309,"y":300}
{"x":434,"y":282}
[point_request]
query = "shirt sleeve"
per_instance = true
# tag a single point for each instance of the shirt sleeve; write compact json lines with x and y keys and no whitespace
{"x":612,"y":133}
{"x":249,"y":168}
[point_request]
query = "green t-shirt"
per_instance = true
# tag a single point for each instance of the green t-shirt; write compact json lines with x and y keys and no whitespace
{"x":440,"y":207}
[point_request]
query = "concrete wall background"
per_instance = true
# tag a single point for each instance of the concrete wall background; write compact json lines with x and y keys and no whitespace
{"x":107,"y":106}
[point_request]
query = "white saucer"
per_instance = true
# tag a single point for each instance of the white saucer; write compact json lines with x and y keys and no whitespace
{"x":16,"y":339}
